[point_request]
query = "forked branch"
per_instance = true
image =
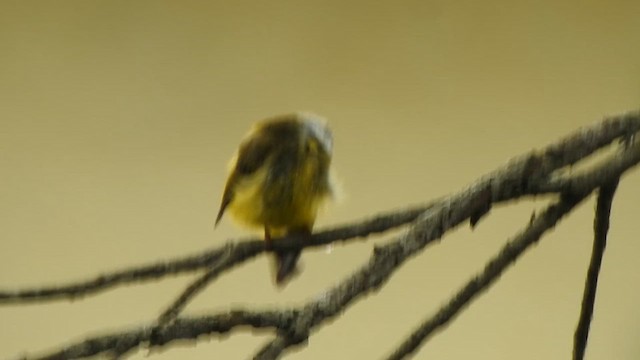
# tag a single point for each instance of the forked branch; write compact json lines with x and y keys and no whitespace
{"x":600,"y":229}
{"x":536,"y":173}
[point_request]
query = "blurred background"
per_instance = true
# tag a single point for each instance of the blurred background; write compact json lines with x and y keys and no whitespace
{"x":118,"y":119}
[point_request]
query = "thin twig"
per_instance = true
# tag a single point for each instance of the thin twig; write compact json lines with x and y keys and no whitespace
{"x":600,"y":230}
{"x":105,"y":281}
{"x":492,"y":271}
{"x":242,"y":250}
{"x":185,"y":328}
{"x":195,"y":287}
{"x":625,"y":157}
{"x":273,"y":349}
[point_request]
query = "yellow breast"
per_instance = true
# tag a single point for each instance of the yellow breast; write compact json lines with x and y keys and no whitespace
{"x":293,"y":201}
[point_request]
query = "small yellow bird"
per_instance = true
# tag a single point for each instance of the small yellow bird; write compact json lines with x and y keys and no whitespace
{"x":278,"y":180}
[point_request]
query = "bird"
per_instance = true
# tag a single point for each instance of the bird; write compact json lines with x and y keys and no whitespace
{"x":278,"y":180}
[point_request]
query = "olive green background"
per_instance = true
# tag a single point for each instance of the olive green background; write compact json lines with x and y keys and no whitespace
{"x":117,"y":119}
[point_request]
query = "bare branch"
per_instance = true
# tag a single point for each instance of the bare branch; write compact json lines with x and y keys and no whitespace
{"x":533,"y":166}
{"x":531,"y":174}
{"x":241,"y":251}
{"x":600,"y":229}
{"x":192,"y":290}
{"x":492,"y":271}
{"x":273,"y":349}
{"x":431,"y":226}
{"x":606,"y":169}
{"x":186,"y":328}
{"x":105,"y":281}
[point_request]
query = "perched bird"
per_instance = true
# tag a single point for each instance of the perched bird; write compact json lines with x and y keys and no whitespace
{"x":278,"y":180}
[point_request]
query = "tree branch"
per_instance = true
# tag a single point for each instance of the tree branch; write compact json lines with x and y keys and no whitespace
{"x":240,"y":251}
{"x":431,"y":226}
{"x":192,"y":290}
{"x":564,"y":152}
{"x":581,"y":184}
{"x":531,"y":174}
{"x":188,"y":328}
{"x":600,"y":229}
{"x":567,"y":151}
{"x":492,"y":271}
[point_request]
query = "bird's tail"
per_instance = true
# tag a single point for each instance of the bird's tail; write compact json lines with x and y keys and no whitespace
{"x":286,"y":261}
{"x":286,"y":265}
